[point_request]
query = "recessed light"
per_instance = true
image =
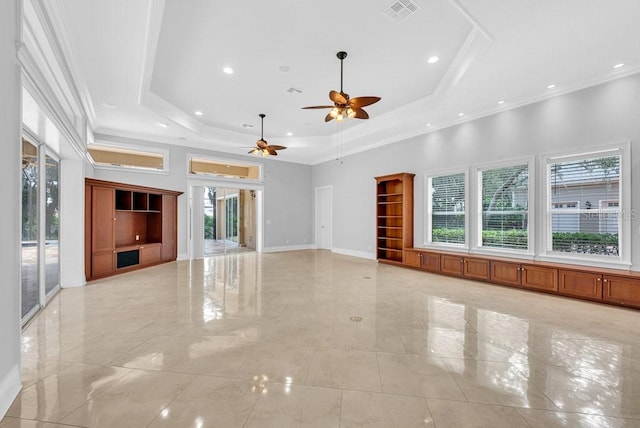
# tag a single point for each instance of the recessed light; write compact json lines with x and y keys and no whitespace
{"x":162,"y":125}
{"x":460,"y":114}
{"x":289,"y":134}
{"x":284,"y":68}
{"x":501,"y":102}
{"x":433,"y":60}
{"x":618,"y":65}
{"x":227,"y":70}
{"x":109,"y":105}
{"x":551,"y":86}
{"x":429,"y":124}
{"x":198,"y":113}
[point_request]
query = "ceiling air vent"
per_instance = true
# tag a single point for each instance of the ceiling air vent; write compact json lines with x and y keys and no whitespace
{"x":401,"y":10}
{"x":293,"y":91}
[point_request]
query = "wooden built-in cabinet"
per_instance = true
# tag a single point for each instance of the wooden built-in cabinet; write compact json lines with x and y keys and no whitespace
{"x":524,"y":275}
{"x":601,"y":285}
{"x":394,"y":216}
{"x":127,"y":227}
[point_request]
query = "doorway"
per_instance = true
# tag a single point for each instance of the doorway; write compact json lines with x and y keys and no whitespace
{"x":229,"y":221}
{"x":324,"y":217}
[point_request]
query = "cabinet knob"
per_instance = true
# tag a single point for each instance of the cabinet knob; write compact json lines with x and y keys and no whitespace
{"x":141,"y":248}
{"x":605,"y":280}
{"x":598,"y":279}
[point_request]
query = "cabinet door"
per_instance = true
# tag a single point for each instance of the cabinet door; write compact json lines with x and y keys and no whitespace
{"x":539,"y":278}
{"x":505,"y":273}
{"x":412,"y":258}
{"x":150,"y":254}
{"x":476,"y":268}
{"x":430,"y":261}
{"x":451,"y":264}
{"x":580,"y":284}
{"x":624,"y":291}
{"x":103,"y":263}
{"x":169,"y":227}
{"x":102,"y":219}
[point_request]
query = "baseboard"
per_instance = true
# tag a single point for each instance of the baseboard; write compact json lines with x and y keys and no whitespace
{"x":80,"y":284}
{"x":183,"y":256}
{"x":9,"y":388}
{"x":360,"y":254}
{"x":288,"y":248}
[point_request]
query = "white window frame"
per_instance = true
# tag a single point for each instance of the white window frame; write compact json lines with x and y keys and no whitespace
{"x":221,"y":178}
{"x":428,"y":238}
{"x":476,"y":244}
{"x":622,"y":149}
{"x":109,"y":144}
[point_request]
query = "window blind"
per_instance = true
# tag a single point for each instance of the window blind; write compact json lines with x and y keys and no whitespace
{"x":448,"y":209}
{"x":590,"y":224}
{"x":505,"y":207}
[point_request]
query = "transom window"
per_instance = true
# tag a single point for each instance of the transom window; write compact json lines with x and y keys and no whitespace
{"x":108,"y":156}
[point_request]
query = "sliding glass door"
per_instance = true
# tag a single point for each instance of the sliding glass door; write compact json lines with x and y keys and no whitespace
{"x":30,"y":230}
{"x":40,"y":260}
{"x":51,"y":226}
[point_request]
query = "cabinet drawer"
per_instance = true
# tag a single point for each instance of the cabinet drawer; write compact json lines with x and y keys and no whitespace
{"x":539,"y":278}
{"x":505,"y":273}
{"x":624,"y":291}
{"x":580,"y":284}
{"x":150,"y":254}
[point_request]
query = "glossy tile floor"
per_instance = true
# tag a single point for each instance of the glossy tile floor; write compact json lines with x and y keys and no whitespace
{"x":311,"y":338}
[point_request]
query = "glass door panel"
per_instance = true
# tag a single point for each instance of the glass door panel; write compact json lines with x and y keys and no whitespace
{"x":52,"y":222}
{"x":29,"y":247}
{"x":229,"y":223}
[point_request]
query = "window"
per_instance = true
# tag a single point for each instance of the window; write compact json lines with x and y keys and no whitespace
{"x":591,"y":226}
{"x":223,"y":168}
{"x":108,"y":156}
{"x":446,"y":213}
{"x":504,"y":205}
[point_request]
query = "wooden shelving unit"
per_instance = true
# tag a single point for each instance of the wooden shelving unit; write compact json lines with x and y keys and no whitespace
{"x":127,"y":227}
{"x":394,"y":221}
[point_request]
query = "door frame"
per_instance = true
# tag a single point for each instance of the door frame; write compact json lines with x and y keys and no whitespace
{"x":317,"y":216}
{"x":235,"y":184}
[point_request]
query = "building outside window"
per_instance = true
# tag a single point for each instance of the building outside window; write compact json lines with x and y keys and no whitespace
{"x":591,"y":225}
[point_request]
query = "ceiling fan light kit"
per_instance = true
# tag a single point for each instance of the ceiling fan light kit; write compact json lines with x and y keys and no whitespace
{"x":344,"y":107}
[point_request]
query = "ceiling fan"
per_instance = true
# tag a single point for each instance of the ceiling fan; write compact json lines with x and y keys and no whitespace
{"x":343,"y":106}
{"x":262,"y":147}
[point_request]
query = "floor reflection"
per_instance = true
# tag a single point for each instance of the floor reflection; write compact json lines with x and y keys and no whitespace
{"x":315,"y":338}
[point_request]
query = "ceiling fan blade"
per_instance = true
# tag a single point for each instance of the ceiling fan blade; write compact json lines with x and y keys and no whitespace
{"x":337,"y":97}
{"x":272,"y":152}
{"x":314,"y":107}
{"x":360,"y":114}
{"x":254,"y":151}
{"x":328,"y":118}
{"x":363,"y":101}
{"x":274,"y":147}
{"x":261,"y":144}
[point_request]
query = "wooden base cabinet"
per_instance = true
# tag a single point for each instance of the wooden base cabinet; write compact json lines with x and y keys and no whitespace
{"x":127,"y":227}
{"x":621,"y":290}
{"x":539,"y":277}
{"x":470,"y":267}
{"x":580,"y":284}
{"x":424,"y":260}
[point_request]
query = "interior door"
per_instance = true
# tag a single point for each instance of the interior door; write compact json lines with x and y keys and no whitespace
{"x":324,"y":217}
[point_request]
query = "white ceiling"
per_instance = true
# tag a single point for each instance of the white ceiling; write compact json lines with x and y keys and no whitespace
{"x":145,"y":62}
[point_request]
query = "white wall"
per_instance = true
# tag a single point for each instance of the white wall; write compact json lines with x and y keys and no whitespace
{"x":287,"y":192}
{"x":10,"y":88}
{"x":600,"y":115}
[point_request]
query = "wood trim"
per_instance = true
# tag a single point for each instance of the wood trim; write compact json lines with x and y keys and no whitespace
{"x":132,"y":187}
